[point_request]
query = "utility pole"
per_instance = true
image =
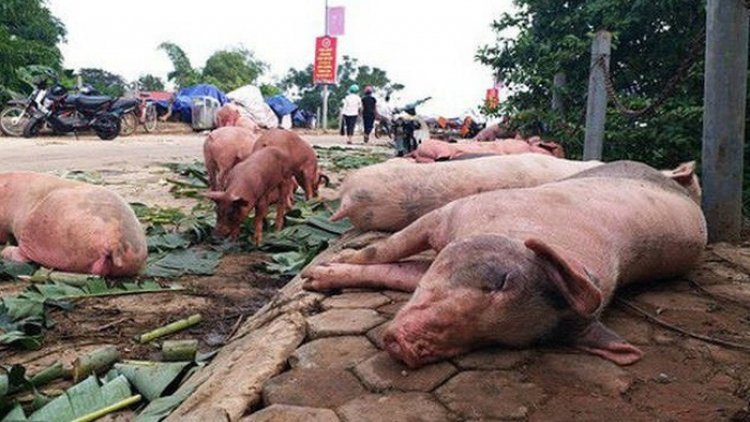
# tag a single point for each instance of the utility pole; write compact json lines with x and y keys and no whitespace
{"x":325,"y":86}
{"x":724,"y":117}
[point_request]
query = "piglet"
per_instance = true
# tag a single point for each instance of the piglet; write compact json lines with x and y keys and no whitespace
{"x":518,"y":267}
{"x":389,"y":196}
{"x":262,"y":179}
{"x":302,"y":157}
{"x":223,"y":148}
{"x":69,"y":226}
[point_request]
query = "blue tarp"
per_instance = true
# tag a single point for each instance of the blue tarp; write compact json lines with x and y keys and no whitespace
{"x":183,"y":101}
{"x":281,"y":105}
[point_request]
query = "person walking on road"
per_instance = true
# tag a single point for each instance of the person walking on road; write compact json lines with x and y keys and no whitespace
{"x":350,"y":110}
{"x":369,"y":112}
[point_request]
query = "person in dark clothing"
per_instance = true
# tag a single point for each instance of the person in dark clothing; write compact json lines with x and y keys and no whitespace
{"x":369,"y":112}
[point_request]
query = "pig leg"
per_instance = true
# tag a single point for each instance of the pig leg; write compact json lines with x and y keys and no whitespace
{"x":403,"y":276}
{"x":261,"y":211}
{"x":413,"y":239}
{"x":14,"y":253}
{"x":284,"y":192}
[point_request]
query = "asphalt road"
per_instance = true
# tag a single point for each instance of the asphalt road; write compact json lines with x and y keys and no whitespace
{"x":87,"y":152}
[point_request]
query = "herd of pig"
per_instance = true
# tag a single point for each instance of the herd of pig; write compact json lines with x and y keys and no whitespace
{"x":529,"y":247}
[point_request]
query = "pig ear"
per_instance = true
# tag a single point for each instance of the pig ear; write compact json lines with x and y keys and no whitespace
{"x":217,"y":196}
{"x":601,"y":341}
{"x":683,"y":174}
{"x":573,"y":281}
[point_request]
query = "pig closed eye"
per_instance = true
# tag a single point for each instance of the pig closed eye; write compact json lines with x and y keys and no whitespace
{"x":487,"y":276}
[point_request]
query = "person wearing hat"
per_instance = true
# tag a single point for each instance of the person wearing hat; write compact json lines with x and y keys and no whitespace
{"x":350,"y":110}
{"x":369,"y":112}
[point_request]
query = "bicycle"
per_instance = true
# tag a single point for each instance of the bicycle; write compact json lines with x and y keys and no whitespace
{"x":144,"y":114}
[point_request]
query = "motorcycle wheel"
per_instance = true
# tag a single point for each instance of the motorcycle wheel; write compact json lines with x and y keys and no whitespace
{"x":33,"y":127}
{"x":128,"y":124}
{"x":12,"y":121}
{"x":150,"y":118}
{"x":107,"y":127}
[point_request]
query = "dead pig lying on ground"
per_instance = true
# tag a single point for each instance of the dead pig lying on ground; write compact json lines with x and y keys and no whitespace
{"x":301,"y":154}
{"x":235,"y":115}
{"x":389,"y":196}
{"x":519,"y":267}
{"x":436,"y":150}
{"x":223,"y":148}
{"x":262,"y":179}
{"x":69,"y":226}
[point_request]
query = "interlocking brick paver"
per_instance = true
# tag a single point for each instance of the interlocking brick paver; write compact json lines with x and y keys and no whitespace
{"x":365,"y":300}
{"x":339,"y":352}
{"x":339,"y":322}
{"x":324,"y":388}
{"x":490,"y":394}
{"x":285,"y":413}
{"x":381,"y":372}
{"x":598,"y":374}
{"x":493,"y":358}
{"x":395,"y":407}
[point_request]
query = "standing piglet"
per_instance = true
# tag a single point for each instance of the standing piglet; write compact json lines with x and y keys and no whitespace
{"x":302,"y":157}
{"x":523,"y":266}
{"x":389,"y":196}
{"x":262,"y":179}
{"x":223,"y":149}
{"x":69,"y":226}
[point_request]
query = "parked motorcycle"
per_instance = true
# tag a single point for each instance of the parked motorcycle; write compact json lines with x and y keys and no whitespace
{"x":409,"y":129}
{"x":64,"y":112}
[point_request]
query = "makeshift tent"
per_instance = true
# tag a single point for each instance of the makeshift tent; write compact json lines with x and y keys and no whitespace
{"x":250,"y":98}
{"x":183,"y":101}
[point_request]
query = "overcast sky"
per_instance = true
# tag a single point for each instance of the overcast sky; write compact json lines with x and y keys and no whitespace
{"x":428,"y":46}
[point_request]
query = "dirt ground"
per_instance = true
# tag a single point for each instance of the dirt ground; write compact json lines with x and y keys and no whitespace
{"x":713,"y":303}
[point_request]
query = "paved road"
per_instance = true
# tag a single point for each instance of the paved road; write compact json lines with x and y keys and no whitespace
{"x":61,"y":153}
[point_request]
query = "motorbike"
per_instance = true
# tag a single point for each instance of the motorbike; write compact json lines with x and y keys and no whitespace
{"x":409,"y":129}
{"x":64,"y":112}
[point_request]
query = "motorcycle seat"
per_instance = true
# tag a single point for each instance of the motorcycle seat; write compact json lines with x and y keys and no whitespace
{"x":86,"y":101}
{"x":124,"y":103}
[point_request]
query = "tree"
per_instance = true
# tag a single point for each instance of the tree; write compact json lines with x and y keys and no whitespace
{"x":150,"y":82}
{"x":231,"y":69}
{"x":183,"y":74}
{"x":650,"y":45}
{"x":299,"y":83}
{"x":105,"y":82}
{"x":29,"y":35}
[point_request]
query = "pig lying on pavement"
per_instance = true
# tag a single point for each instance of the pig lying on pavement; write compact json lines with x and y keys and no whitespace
{"x":436,"y":150}
{"x":234,"y":115}
{"x":69,"y":226}
{"x":304,"y":161}
{"x":223,"y":148}
{"x":262,"y":179}
{"x":389,"y":196}
{"x":519,"y":267}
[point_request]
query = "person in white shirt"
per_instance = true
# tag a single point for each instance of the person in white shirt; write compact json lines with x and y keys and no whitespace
{"x":350,"y":111}
{"x":385,"y":113}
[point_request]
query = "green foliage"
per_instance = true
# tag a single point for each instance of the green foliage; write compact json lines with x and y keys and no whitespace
{"x":650,"y":41}
{"x":105,"y":82}
{"x":300,"y":84}
{"x":232,"y":69}
{"x":183,"y":74}
{"x":29,"y":34}
{"x":150,"y":82}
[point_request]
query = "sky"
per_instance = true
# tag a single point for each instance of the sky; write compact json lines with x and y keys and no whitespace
{"x":426,"y":45}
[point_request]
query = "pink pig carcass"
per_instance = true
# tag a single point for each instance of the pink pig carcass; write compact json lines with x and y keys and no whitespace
{"x":69,"y":226}
{"x":391,"y":195}
{"x":223,"y":148}
{"x":519,"y":267}
{"x":234,"y":115}
{"x":262,"y":179}
{"x":436,"y":150}
{"x":302,"y":157}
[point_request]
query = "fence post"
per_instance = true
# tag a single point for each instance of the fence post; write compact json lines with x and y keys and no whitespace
{"x":596,"y":107}
{"x":724,"y":117}
{"x":558,"y":86}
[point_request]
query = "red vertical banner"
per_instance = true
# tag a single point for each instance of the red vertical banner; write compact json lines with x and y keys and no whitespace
{"x":335,"y":21}
{"x":492,"y":99}
{"x":324,"y":69}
